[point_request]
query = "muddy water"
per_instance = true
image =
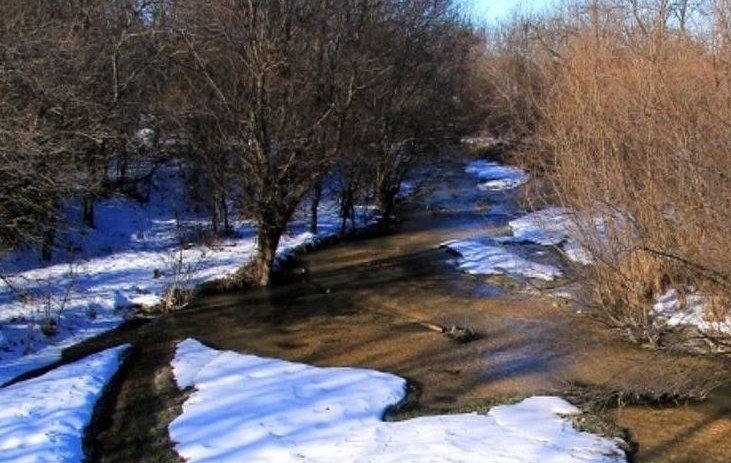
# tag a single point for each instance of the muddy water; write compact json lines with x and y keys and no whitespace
{"x":364,"y":303}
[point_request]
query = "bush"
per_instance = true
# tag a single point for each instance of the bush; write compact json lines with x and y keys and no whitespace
{"x":634,"y":131}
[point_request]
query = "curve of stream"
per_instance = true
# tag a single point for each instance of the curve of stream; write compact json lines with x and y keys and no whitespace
{"x":366,"y":303}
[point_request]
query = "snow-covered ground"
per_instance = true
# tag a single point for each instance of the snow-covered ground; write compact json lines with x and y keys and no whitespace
{"x":480,"y":258}
{"x":695,"y":310}
{"x":98,"y":274}
{"x":480,"y":141}
{"x":552,"y":226}
{"x":555,"y":226}
{"x":42,"y":420}
{"x":254,"y":409}
{"x":496,"y":177}
{"x":486,"y":256}
{"x":569,"y":231}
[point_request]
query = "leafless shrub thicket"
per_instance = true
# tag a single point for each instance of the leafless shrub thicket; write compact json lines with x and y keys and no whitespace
{"x":631,"y":124}
{"x":675,"y":390}
{"x":263,"y":100}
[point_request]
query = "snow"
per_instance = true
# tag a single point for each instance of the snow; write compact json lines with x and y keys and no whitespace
{"x":502,"y":184}
{"x":257,"y":410}
{"x":479,"y":258}
{"x":496,"y":177}
{"x":552,"y":226}
{"x":547,"y":227}
{"x":695,"y":312}
{"x":100,"y":275}
{"x":561,"y":227}
{"x":43,"y":419}
{"x":480,"y":141}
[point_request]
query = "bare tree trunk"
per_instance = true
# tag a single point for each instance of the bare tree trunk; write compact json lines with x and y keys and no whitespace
{"x":388,"y":182}
{"x":316,"y":196}
{"x":386,"y":198}
{"x":89,"y":211}
{"x":346,"y":206}
{"x":224,"y":213}
{"x":215,"y":215}
{"x":219,"y":217}
{"x":49,"y":236}
{"x":268,"y":237}
{"x":343,"y":223}
{"x":122,"y":166}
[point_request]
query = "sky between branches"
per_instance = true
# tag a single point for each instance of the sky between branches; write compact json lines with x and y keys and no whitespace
{"x":496,"y":10}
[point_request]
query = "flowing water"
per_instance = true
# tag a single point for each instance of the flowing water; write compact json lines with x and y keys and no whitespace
{"x":367,"y":303}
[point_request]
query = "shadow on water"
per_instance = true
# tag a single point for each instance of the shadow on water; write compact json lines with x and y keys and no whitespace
{"x":364,"y":303}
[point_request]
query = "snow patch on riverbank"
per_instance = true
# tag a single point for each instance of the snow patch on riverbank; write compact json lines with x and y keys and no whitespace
{"x":43,"y":419}
{"x":556,"y":226}
{"x":479,"y":258}
{"x":694,"y":309}
{"x":254,"y":409}
{"x":128,"y":260}
{"x":553,"y":226}
{"x":496,"y":177}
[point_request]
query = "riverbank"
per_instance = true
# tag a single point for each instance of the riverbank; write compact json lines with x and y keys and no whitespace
{"x":364,"y":303}
{"x":101,"y":277}
{"x":368,"y":303}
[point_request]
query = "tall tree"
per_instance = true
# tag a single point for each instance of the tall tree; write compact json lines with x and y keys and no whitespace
{"x":267,"y":75}
{"x":71,"y":93}
{"x":416,"y":88}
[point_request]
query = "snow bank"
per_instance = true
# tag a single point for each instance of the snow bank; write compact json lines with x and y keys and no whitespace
{"x":478,"y":258}
{"x":552,"y":226}
{"x":104,"y":288}
{"x":480,"y":141}
{"x":496,"y":177}
{"x":114,"y":266}
{"x":253,"y":409}
{"x":694,"y":312}
{"x":43,"y":419}
{"x":558,"y":226}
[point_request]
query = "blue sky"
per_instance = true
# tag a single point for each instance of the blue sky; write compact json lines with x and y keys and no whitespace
{"x":495,"y":10}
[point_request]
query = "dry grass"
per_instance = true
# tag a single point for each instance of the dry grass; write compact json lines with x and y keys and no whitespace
{"x":634,"y":130}
{"x":598,"y":398}
{"x":639,"y":137}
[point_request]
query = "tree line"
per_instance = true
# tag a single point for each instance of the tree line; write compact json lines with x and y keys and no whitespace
{"x":263,"y":99}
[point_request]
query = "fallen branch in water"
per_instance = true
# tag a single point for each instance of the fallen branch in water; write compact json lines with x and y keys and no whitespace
{"x":458,"y":333}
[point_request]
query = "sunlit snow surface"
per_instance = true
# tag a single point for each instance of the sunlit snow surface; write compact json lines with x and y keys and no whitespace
{"x":496,"y":177}
{"x":255,"y":410}
{"x":114,"y":266}
{"x":692,"y":310}
{"x":42,"y":420}
{"x":488,"y":257}
{"x":558,"y":226}
{"x":479,"y":258}
{"x":552,"y":226}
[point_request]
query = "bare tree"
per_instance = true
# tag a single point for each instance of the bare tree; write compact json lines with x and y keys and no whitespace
{"x":72,"y":94}
{"x":261,"y":98}
{"x":417,"y":94}
{"x":268,"y":75}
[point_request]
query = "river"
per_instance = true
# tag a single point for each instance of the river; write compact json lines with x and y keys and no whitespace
{"x":365,"y":302}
